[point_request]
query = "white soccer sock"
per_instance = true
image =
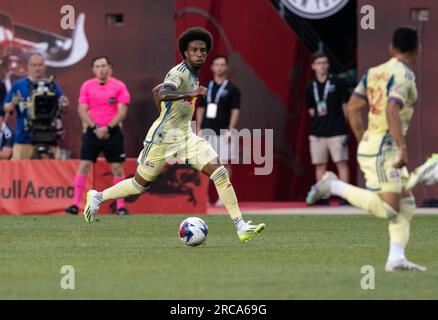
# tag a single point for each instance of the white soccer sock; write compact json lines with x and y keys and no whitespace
{"x":239,"y":223}
{"x":396,"y":252}
{"x":337,"y":187}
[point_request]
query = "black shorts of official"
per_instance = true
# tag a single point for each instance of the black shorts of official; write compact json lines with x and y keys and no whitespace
{"x":113,"y":148}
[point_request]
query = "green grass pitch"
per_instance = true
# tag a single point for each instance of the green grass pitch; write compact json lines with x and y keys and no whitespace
{"x":141,"y":257}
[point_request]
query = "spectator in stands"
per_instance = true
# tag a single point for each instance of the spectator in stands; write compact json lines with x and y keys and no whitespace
{"x":103,"y":105}
{"x":6,"y":138}
{"x":219,"y":111}
{"x":16,"y":99}
{"x":326,"y":96}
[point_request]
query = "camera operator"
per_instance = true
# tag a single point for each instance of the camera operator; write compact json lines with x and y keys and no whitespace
{"x":17,"y":100}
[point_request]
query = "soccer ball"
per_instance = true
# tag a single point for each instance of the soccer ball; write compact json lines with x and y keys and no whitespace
{"x":193,"y":231}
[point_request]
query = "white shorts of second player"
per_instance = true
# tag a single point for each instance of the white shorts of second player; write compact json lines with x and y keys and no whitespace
{"x":321,"y":146}
{"x":193,"y":151}
{"x":226,"y":149}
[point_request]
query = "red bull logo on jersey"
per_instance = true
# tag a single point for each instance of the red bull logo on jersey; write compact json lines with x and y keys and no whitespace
{"x":394,"y":175}
{"x":189,"y":100}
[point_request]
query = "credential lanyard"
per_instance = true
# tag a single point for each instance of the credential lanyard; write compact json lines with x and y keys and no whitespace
{"x":219,"y":92}
{"x":326,"y":91}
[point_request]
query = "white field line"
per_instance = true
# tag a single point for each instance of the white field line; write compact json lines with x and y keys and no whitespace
{"x":347,"y":210}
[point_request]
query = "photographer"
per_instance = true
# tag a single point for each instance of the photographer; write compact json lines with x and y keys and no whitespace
{"x":18,"y":98}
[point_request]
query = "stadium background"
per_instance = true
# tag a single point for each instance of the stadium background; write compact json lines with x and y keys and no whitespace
{"x":270,"y":57}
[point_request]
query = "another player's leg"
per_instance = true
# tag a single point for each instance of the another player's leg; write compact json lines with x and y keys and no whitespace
{"x":114,"y":151}
{"x":219,"y":202}
{"x":150,"y":160}
{"x":358,"y":197}
{"x":343,"y":172}
{"x":366,"y":199}
{"x":426,"y":173}
{"x":386,"y":201}
{"x":219,"y":175}
{"x":79,"y":187}
{"x":399,"y":229}
{"x":200,"y":155}
{"x":125,"y":188}
{"x":338,"y":149}
{"x":90,"y":150}
{"x":119,"y":176}
{"x":384,"y":205}
{"x":319,"y":154}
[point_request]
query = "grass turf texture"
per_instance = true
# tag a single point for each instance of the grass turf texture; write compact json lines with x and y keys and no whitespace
{"x":141,"y":257}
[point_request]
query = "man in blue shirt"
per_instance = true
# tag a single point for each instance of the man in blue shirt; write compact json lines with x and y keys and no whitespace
{"x":6,"y":138}
{"x":19,"y":94}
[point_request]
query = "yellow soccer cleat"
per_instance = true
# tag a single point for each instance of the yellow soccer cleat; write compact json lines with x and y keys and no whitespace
{"x":249,"y":231}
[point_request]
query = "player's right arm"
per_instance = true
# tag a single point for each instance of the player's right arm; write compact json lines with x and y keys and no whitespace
{"x":394,"y":124}
{"x":397,"y":96}
{"x":155,"y":92}
{"x":173,"y":81}
{"x":356,"y":103}
{"x":354,"y":115}
{"x":170,"y":93}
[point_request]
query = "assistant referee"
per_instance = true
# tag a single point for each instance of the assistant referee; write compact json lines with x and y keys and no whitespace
{"x":103,"y":105}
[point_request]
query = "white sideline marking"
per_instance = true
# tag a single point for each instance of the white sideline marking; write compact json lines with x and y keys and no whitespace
{"x":347,"y":210}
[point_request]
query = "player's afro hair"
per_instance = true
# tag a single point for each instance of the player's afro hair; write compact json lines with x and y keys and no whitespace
{"x":193,"y":34}
{"x":405,"y":39}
